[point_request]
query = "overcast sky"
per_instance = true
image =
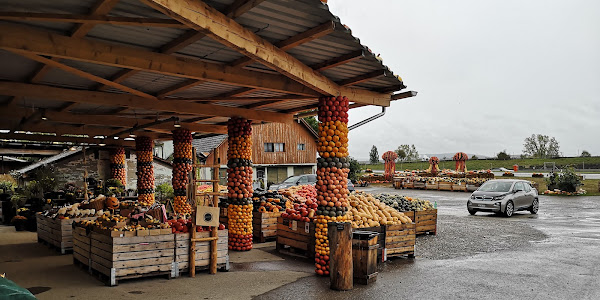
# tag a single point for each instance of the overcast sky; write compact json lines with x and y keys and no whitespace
{"x":489,"y":73}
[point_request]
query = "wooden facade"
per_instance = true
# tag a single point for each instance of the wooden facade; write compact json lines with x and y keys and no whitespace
{"x":289,"y":134}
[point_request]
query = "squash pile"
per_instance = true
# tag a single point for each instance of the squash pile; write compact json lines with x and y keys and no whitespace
{"x":270,"y":202}
{"x":368,"y":211}
{"x":332,"y":174}
{"x":117,"y":165}
{"x":239,"y":183}
{"x":145,"y":170}
{"x":182,"y":165}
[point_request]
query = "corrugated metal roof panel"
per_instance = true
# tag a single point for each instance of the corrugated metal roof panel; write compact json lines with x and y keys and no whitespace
{"x":103,"y":71}
{"x":29,"y":103}
{"x":16,"y":67}
{"x":150,"y":38}
{"x":151,"y":82}
{"x":58,"y":77}
{"x":205,"y":90}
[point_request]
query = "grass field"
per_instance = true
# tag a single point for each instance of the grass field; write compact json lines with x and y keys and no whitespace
{"x":590,"y":185}
{"x":577,"y":162}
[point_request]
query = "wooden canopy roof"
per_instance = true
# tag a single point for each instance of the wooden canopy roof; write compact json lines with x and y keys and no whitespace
{"x":91,"y":70}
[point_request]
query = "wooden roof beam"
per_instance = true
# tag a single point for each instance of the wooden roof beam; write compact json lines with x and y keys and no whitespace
{"x":51,"y":44}
{"x":90,"y":19}
{"x":200,"y":16}
{"x":62,"y":139}
{"x":338,"y":61}
{"x":361,"y":78}
{"x":297,"y":40}
{"x":132,"y":101}
{"x":83,"y":74}
{"x":63,"y":129}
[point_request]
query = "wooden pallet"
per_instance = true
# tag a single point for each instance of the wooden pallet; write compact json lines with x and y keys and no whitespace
{"x":57,"y":232}
{"x":408,"y":185}
{"x":431,"y":185}
{"x":459,"y":187}
{"x":264,"y":225}
{"x":399,"y":241}
{"x":297,"y":236}
{"x":182,"y":251}
{"x":419,"y":185}
{"x":82,"y":247}
{"x":118,"y":258}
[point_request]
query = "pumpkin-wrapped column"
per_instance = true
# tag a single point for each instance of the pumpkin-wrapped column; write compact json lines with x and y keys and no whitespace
{"x":332,"y":174}
{"x":239,"y":183}
{"x":117,"y":165}
{"x":145,"y":170}
{"x":182,"y":165}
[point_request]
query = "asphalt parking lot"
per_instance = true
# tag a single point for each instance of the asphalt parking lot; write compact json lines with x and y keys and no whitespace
{"x":551,"y":255}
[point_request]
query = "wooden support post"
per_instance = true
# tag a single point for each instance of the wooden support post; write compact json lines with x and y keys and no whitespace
{"x":192,"y":256}
{"x":85,"y":176}
{"x":340,"y":259}
{"x":215,"y":203}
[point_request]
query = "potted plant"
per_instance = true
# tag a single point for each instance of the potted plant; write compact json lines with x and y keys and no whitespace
{"x":19,"y":222}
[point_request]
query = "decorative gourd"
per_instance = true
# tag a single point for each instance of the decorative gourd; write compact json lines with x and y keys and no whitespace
{"x":112,"y":202}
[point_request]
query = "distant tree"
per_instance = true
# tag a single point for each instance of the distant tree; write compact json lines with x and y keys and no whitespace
{"x":410,"y":152}
{"x":312,"y":121}
{"x":374,"y":155}
{"x":502,"y":155}
{"x":401,"y":153}
{"x":474,"y":157}
{"x":354,"y":169}
{"x":585,"y":153}
{"x":541,"y":146}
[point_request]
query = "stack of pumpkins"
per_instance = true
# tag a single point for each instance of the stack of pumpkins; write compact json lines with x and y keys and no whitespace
{"x":239,"y":183}
{"x":332,"y":174}
{"x":145,"y":170}
{"x":182,"y":165}
{"x":117,"y":165}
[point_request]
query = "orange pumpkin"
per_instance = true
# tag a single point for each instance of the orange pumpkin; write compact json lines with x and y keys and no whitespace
{"x":112,"y":202}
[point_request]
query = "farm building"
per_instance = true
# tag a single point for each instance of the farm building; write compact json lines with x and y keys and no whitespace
{"x":279,"y":151}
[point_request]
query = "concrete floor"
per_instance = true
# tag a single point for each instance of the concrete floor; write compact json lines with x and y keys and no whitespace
{"x":556,"y":257}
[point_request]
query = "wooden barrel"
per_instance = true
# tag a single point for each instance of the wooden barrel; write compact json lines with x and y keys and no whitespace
{"x":364,"y":255}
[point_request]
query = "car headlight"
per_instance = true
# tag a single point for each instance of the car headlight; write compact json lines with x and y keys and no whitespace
{"x":472,"y":196}
{"x":499,"y":197}
{"x":497,"y":203}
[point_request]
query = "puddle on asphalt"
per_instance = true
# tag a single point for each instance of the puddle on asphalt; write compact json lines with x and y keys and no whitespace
{"x":136,"y":292}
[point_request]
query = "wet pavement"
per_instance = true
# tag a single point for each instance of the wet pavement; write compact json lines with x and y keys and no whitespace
{"x":552,"y":255}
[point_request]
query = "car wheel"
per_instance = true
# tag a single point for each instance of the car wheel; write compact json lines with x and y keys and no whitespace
{"x":472,"y":212}
{"x":509,"y":210}
{"x":534,"y":206}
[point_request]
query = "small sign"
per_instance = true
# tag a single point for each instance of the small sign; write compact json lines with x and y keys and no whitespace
{"x":340,"y":226}
{"x":384,"y":256}
{"x":294,"y":225}
{"x":306,"y":227}
{"x":207,"y":216}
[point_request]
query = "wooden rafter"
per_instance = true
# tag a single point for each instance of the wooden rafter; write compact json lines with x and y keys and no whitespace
{"x":236,"y":9}
{"x":51,"y":44}
{"x":338,"y":61}
{"x":221,"y":98}
{"x":297,"y":40}
{"x":132,"y":101}
{"x":115,"y":121}
{"x":90,"y":19}
{"x":200,"y":16}
{"x":362,"y":78}
{"x":63,"y":139}
{"x":83,"y":74}
{"x":62,"y":129}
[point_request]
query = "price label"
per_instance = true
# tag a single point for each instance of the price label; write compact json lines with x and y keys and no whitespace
{"x":306,"y":227}
{"x":294,"y":225}
{"x":340,"y":226}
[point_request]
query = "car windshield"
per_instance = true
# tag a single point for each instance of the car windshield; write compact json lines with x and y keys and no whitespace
{"x":292,"y":179}
{"x":495,"y":186}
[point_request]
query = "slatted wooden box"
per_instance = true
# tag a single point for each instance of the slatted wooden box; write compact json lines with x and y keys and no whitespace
{"x":132,"y":257}
{"x":459,"y":187}
{"x":425,"y":220}
{"x":223,"y":219}
{"x":399,"y":240}
{"x":57,"y":232}
{"x":296,"y":236}
{"x":82,"y":246}
{"x":445,"y":186}
{"x":408,"y":185}
{"x":419,"y":185}
{"x":182,"y":251}
{"x":264,"y":225}
{"x":431,"y":185}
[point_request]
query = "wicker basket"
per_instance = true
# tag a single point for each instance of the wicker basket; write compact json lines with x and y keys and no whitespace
{"x":97,"y":205}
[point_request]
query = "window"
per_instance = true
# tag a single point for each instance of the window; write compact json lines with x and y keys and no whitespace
{"x":303,"y":179}
{"x":301,"y":147}
{"x":274,"y":147}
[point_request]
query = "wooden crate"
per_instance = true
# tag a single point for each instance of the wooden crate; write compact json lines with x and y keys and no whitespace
{"x":118,"y":258}
{"x":398,"y":183}
{"x":445,"y":186}
{"x":431,"y":185}
{"x":425,"y":220}
{"x":264,"y":225}
{"x":82,"y":247}
{"x":296,"y":236}
{"x":419,"y":185}
{"x":399,"y":241}
{"x":408,"y":185}
{"x":182,"y":251}
{"x":57,"y":232}
{"x":459,"y":187}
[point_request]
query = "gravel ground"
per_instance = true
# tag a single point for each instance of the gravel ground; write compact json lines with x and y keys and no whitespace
{"x":466,"y":236}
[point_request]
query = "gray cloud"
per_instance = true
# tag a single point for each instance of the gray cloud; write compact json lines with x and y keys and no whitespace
{"x":488,"y":73}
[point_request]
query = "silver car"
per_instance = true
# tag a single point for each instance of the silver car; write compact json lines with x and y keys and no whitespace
{"x":504,"y":197}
